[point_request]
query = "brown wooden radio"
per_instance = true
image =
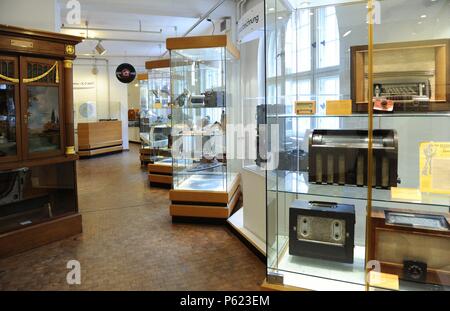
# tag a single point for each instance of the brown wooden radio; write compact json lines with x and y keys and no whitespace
{"x":413,"y":245}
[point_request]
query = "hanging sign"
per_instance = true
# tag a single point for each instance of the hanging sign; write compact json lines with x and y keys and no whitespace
{"x":126,"y":73}
{"x":251,"y":23}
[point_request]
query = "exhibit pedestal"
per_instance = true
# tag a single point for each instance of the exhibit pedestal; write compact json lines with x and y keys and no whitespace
{"x":205,"y":204}
{"x":145,"y":155}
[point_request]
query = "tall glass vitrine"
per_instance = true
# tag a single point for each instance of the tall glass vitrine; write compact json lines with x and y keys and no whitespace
{"x":350,"y":204}
{"x":203,"y":76}
{"x":157,"y":134}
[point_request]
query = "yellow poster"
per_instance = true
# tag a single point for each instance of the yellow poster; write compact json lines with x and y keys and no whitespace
{"x":435,"y":167}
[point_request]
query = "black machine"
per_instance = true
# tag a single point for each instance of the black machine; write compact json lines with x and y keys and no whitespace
{"x":340,"y":157}
{"x":290,"y":157}
{"x":214,"y":98}
{"x":12,"y":185}
{"x":322,"y":230}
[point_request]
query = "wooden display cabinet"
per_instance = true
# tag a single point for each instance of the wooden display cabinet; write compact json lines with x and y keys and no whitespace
{"x":206,"y":184}
{"x":404,"y":61}
{"x":38,"y":191}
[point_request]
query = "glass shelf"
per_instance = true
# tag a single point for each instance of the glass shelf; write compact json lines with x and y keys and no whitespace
{"x":297,"y":183}
{"x":364,"y":116}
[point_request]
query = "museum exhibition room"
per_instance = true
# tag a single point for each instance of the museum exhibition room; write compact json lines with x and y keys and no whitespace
{"x":225,"y":145}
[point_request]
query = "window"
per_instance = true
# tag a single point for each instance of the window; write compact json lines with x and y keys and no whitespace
{"x":298,"y":42}
{"x":328,"y":38}
{"x":309,"y":63}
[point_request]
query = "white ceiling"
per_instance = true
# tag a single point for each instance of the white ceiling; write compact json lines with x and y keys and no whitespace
{"x":172,"y":18}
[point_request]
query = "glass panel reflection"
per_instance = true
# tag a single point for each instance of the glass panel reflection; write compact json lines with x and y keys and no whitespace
{"x":31,"y":195}
{"x":8,"y":144}
{"x":43,"y":119}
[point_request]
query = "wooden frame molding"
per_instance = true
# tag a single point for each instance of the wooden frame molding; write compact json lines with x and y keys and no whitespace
{"x":201,"y":42}
{"x":157,"y":64}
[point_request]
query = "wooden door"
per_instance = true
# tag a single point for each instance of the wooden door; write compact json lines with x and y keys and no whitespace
{"x":10,"y":110}
{"x":42,"y":107}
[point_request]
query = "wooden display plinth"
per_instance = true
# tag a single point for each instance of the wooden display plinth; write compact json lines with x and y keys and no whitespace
{"x":218,"y":205}
{"x":145,"y":155}
{"x":99,"y":138}
{"x":160,"y":175}
{"x":18,"y":241}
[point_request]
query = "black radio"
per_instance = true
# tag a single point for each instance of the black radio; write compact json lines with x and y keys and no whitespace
{"x":322,"y":230}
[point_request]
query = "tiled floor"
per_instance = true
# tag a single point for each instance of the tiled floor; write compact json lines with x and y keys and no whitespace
{"x":130,"y":243}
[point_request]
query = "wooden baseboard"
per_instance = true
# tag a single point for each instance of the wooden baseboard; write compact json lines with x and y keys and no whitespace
{"x":94,"y":152}
{"x":160,"y":169}
{"x":18,"y":241}
{"x":160,"y":179}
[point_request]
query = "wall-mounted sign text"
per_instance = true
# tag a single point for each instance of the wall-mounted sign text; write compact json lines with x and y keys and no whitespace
{"x":251,"y":23}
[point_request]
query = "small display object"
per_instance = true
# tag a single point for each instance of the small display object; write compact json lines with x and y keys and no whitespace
{"x":322,"y":230}
{"x":204,"y":76}
{"x":305,"y":107}
{"x":435,"y":167}
{"x":339,"y":107}
{"x":157,"y":136}
{"x":38,"y":193}
{"x":407,"y":76}
{"x":357,"y":200}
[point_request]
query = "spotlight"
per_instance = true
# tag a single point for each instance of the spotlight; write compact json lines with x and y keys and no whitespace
{"x":100,"y":49}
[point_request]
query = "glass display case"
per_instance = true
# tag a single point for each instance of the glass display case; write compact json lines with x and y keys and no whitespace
{"x":203,"y":76}
{"x":357,"y":197}
{"x":156,"y":134}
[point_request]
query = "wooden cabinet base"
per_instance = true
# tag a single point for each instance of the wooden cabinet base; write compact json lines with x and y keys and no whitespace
{"x":205,"y":204}
{"x":160,"y":175}
{"x":94,"y":152}
{"x":18,"y":241}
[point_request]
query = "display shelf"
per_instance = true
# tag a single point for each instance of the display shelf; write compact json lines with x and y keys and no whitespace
{"x":297,"y":183}
{"x":365,"y":116}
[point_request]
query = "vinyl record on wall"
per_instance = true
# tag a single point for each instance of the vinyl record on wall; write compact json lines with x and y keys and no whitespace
{"x":126,"y":73}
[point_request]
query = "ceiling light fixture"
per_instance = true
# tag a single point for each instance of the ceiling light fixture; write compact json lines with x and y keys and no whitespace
{"x":100,"y":49}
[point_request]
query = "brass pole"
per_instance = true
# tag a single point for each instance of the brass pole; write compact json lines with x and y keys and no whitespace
{"x":370,"y":140}
{"x":69,"y":115}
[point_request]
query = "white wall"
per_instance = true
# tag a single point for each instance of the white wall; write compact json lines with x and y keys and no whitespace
{"x":37,"y":14}
{"x":114,"y":107}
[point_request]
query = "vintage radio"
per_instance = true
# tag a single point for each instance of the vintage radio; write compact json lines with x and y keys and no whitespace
{"x":305,"y":107}
{"x":406,"y":94}
{"x":411,"y":245}
{"x":214,"y":99}
{"x":322,"y":230}
{"x":340,"y":157}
